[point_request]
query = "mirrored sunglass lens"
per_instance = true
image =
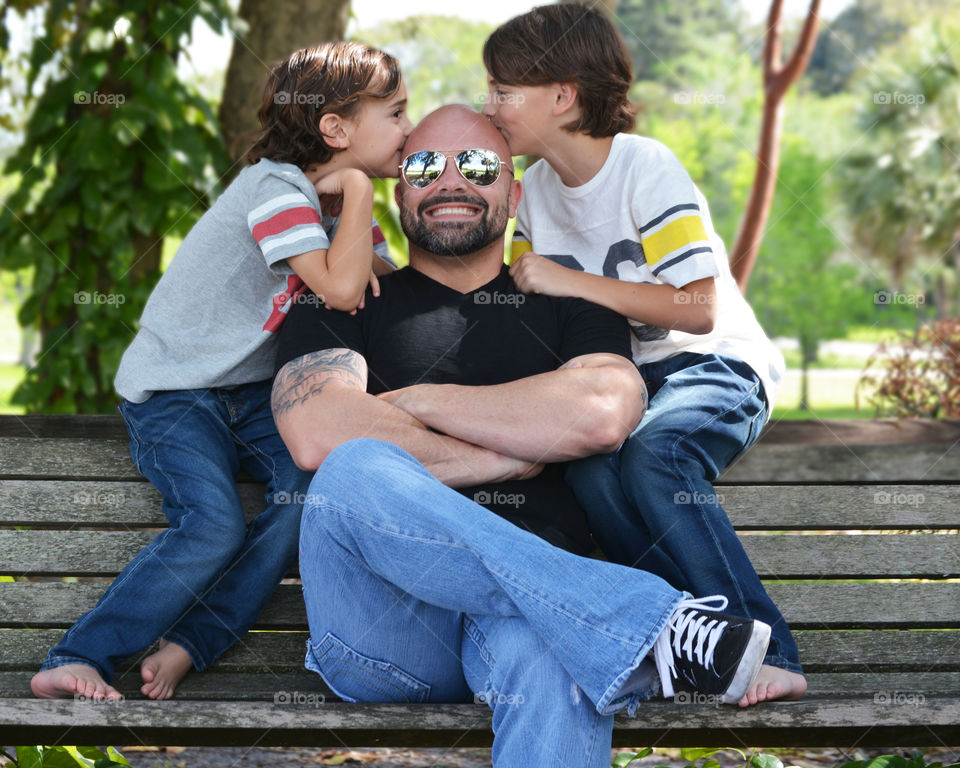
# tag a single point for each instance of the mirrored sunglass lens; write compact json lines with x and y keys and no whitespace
{"x":479,"y":166}
{"x":423,"y":168}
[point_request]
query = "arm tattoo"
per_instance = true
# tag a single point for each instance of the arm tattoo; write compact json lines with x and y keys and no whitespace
{"x":307,"y":376}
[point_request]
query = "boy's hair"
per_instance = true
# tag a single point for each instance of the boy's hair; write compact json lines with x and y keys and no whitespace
{"x":309,"y":83}
{"x":568,"y":43}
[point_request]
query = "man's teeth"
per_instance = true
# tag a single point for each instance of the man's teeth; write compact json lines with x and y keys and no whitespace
{"x":452,"y":210}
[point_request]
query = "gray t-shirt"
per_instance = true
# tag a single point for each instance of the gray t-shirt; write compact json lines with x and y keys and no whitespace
{"x":212,"y":320}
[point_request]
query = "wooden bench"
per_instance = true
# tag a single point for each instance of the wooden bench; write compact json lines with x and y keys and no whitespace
{"x":866,"y":568}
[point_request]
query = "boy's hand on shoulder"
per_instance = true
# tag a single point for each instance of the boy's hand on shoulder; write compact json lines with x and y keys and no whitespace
{"x":534,"y":274}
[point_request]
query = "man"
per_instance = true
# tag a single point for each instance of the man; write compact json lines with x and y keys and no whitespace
{"x":414,"y":591}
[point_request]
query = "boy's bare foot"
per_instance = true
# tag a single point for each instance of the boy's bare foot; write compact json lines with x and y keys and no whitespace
{"x":774,"y":683}
{"x":162,"y":671}
{"x":72,"y":680}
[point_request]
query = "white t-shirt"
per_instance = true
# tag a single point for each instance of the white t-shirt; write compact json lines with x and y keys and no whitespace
{"x":642,"y":219}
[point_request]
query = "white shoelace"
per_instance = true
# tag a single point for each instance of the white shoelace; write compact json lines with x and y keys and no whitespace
{"x":687,"y":633}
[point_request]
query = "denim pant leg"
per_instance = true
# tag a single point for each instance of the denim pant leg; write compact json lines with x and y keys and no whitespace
{"x":601,"y":619}
{"x":181,"y":443}
{"x":652,"y":504}
{"x":541,"y":718}
{"x":234,"y":602}
{"x":369,"y":640}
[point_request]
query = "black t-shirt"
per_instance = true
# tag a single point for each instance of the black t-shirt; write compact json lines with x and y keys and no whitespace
{"x":419,"y":331}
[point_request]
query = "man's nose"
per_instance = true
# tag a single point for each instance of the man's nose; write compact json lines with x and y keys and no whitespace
{"x":451,"y":178}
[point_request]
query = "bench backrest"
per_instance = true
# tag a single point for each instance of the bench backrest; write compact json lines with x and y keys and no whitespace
{"x":853,"y":527}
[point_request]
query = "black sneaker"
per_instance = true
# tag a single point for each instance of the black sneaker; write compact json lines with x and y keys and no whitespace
{"x":714,"y":654}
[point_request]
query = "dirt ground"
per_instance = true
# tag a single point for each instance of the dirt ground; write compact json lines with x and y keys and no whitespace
{"x":235,"y":757}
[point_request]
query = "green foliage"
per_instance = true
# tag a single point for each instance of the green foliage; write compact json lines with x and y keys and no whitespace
{"x":439,"y":57}
{"x":902,"y":184}
{"x":117,"y":154}
{"x":704,"y":758}
{"x":65,"y":757}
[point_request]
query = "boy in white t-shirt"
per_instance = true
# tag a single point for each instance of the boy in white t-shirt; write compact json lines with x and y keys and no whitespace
{"x":614,"y":218}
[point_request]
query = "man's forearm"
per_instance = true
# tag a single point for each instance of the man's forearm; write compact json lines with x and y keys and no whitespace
{"x":314,"y":418}
{"x":555,"y":416}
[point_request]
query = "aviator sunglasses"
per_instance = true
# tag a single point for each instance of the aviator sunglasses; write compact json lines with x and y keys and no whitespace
{"x":481,"y":167}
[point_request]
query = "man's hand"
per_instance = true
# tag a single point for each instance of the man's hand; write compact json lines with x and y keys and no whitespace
{"x":534,"y":274}
{"x":343,"y":182}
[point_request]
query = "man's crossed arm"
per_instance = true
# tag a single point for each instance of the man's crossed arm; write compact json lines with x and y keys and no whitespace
{"x":464,"y":435}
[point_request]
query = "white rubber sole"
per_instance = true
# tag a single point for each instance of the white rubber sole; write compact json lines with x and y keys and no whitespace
{"x":750,"y":664}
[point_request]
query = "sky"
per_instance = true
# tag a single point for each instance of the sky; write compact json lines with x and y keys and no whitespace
{"x":211,"y":52}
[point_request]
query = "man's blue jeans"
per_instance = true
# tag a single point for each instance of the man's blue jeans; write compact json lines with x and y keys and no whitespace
{"x":652,"y":505}
{"x":416,"y":593}
{"x":203,"y":581}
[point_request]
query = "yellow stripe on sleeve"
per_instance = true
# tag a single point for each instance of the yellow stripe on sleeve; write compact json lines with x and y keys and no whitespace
{"x":518,"y":248}
{"x":678,"y":233}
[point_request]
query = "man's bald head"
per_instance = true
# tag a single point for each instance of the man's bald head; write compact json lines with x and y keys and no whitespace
{"x":456,"y":126}
{"x":451,"y":216}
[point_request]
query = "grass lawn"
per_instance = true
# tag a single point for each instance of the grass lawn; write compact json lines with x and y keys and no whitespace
{"x":831,"y":394}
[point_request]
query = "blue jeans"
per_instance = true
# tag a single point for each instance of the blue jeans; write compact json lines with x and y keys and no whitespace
{"x":415,"y":593}
{"x":203,"y":581}
{"x":652,"y":505}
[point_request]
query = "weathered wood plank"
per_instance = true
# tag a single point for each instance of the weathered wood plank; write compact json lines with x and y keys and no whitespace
{"x":96,"y":503}
{"x":811,"y":605}
{"x":283,"y":685}
{"x":847,"y":722}
{"x":787,"y":556}
{"x":778,"y":463}
{"x":810,"y":431}
{"x":821,"y":651}
{"x":107,"y":459}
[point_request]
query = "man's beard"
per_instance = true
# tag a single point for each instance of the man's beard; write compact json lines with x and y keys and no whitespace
{"x":459,"y":238}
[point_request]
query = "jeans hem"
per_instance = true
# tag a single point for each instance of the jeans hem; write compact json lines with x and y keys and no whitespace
{"x":782,"y":663}
{"x":192,"y":652}
{"x":52,"y":662}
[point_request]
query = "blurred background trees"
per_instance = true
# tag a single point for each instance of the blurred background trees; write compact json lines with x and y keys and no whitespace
{"x":97,"y":193}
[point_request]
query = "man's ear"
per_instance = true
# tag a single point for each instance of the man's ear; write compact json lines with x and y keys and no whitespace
{"x":396,"y":192}
{"x":516,"y":192}
{"x":334,"y":131}
{"x":564,"y":98}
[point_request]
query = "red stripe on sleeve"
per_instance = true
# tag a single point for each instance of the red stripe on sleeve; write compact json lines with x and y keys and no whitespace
{"x":281,"y":222}
{"x":378,"y":235}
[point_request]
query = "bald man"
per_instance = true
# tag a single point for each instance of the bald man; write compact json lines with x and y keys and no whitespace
{"x":441,"y":554}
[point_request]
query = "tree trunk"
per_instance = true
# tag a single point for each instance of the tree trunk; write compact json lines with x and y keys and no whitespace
{"x":275,"y":28}
{"x":777,"y":79}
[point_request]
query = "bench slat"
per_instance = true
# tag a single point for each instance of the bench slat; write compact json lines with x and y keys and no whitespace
{"x":89,"y":503}
{"x":850,"y":722}
{"x":788,"y":556}
{"x":87,"y":459}
{"x":813,"y":605}
{"x":842,"y":651}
